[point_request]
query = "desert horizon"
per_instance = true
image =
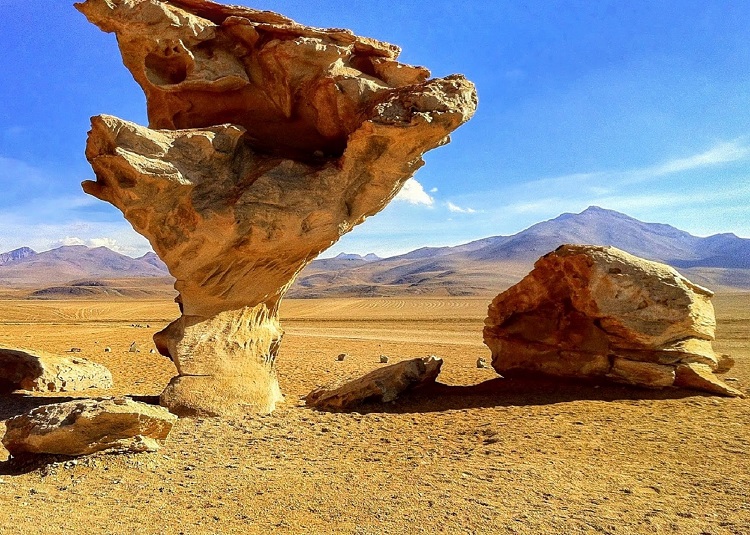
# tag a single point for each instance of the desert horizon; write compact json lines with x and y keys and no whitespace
{"x":479,"y":455}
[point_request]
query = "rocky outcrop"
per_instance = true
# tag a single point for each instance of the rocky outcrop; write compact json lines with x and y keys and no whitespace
{"x":268,"y":141}
{"x":39,"y":371}
{"x":598,"y":312}
{"x":382,"y":385}
{"x":87,"y":426}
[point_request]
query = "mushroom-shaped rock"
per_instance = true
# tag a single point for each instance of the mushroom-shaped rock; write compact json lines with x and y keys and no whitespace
{"x":269,"y":140}
{"x":40,"y":371}
{"x":382,"y":385}
{"x":597,"y":312}
{"x":87,"y":426}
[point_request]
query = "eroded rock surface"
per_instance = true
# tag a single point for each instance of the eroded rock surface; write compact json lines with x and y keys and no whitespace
{"x":382,"y":385}
{"x":40,"y":371}
{"x":268,"y":141}
{"x":86,"y":426}
{"x":598,"y":312}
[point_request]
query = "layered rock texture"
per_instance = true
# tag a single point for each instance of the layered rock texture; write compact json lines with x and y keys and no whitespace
{"x":382,"y":385}
{"x":598,"y":312}
{"x":87,"y":426}
{"x":39,"y":371}
{"x":268,"y":140}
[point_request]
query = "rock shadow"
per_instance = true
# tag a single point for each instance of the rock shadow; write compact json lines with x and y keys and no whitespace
{"x":13,"y":403}
{"x":504,"y":392}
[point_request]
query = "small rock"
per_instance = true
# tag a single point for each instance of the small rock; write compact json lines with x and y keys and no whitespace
{"x":342,"y":357}
{"x":731,"y":379}
{"x":383,"y":359}
{"x":481,"y":362}
{"x":384,"y":384}
{"x":133,"y":348}
{"x":725,"y":363}
{"x":75,"y":350}
{"x":107,"y":349}
{"x":152,"y":351}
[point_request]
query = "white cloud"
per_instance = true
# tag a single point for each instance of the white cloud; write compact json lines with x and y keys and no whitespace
{"x":413,"y":193}
{"x":434,"y":190}
{"x":69,"y":240}
{"x":602,"y":182}
{"x":109,"y":243}
{"x":457,"y":209}
{"x":722,"y":153}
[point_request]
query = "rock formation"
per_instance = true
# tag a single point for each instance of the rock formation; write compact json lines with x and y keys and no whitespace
{"x":86,"y":426}
{"x":598,"y":312}
{"x":268,"y":141}
{"x":43,"y":372}
{"x":383,"y":385}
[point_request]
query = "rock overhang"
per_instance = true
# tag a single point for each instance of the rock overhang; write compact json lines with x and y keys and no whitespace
{"x":298,"y":91}
{"x":267,"y":141}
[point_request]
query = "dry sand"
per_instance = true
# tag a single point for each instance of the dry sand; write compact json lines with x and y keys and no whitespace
{"x":502,"y":457}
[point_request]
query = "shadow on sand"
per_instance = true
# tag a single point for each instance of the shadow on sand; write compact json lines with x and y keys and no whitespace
{"x":502,"y":392}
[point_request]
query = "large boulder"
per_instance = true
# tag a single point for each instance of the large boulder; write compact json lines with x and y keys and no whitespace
{"x":86,"y":426}
{"x":268,"y":141}
{"x":382,"y":385}
{"x":598,"y":312}
{"x":40,"y":371}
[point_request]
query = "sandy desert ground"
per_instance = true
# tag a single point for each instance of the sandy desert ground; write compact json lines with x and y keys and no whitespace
{"x":501,"y":457}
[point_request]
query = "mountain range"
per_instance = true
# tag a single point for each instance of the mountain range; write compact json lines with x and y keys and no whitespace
{"x":482,"y":267}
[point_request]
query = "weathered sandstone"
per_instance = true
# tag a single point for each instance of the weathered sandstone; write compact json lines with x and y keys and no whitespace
{"x":86,"y":426}
{"x":40,"y":371}
{"x":268,"y":141}
{"x":598,"y":312}
{"x":382,"y":385}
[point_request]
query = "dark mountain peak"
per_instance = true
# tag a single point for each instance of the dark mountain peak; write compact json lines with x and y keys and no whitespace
{"x":16,"y":254}
{"x":593,"y":209}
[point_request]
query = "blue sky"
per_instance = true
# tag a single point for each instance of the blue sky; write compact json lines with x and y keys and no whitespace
{"x":641,"y":107}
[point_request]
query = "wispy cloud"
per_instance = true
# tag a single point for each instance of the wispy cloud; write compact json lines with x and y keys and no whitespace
{"x":722,"y":153}
{"x":109,"y":243}
{"x":413,"y":192}
{"x":458,"y":210}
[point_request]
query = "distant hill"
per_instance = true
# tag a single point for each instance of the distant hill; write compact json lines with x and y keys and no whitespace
{"x":481,"y":267}
{"x":15,"y":255}
{"x":488,"y":265}
{"x":76,"y":262}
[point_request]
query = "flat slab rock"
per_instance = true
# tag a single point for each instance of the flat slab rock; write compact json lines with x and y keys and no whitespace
{"x":44,"y":372}
{"x":383,"y":385}
{"x":87,"y":426}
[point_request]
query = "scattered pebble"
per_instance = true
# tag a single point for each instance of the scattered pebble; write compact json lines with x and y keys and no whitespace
{"x":341,"y":357}
{"x":481,"y":362}
{"x":107,"y":349}
{"x":383,"y":359}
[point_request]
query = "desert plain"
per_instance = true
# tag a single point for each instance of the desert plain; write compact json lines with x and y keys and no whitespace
{"x":477,"y":454}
